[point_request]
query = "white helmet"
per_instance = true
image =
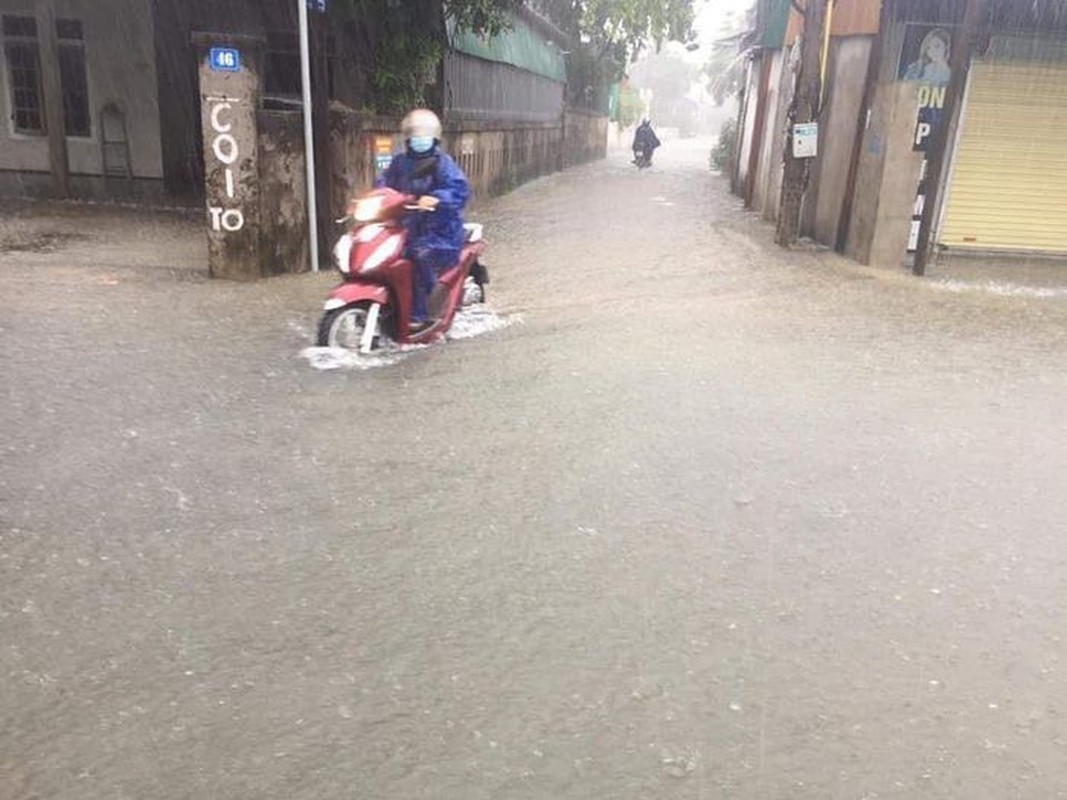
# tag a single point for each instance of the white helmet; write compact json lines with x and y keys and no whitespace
{"x":421,"y":122}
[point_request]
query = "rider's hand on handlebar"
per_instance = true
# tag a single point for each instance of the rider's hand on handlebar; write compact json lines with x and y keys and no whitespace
{"x":427,"y":202}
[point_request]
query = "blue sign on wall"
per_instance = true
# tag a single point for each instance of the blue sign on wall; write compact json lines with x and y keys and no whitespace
{"x":224,"y":59}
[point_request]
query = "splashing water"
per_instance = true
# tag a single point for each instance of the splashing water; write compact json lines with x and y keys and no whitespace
{"x":327,"y":358}
{"x":468,"y":323}
{"x":476,"y":320}
{"x":1002,"y":289}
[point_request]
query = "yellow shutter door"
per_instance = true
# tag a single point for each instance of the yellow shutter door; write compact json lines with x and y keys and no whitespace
{"x":1009,"y":181}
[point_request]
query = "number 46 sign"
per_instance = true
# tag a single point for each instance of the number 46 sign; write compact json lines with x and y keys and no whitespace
{"x":224,"y":59}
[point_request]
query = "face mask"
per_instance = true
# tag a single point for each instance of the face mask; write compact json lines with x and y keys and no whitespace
{"x":421,"y":144}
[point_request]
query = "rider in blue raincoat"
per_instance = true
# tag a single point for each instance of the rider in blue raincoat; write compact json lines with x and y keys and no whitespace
{"x":423,"y":170}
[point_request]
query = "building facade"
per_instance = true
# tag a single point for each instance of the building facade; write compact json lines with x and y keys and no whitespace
{"x":105,"y":60}
{"x":886,"y":69}
{"x":125,"y":73}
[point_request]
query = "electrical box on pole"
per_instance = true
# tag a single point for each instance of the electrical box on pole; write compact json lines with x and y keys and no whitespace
{"x":804,"y":110}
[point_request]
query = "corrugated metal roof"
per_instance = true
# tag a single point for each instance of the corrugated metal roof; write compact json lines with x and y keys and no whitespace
{"x":773,"y":18}
{"x":520,"y":47}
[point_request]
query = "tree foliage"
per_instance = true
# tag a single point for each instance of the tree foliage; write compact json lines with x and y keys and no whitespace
{"x":611,"y":32}
{"x":724,"y":70}
{"x":628,"y":25}
{"x":390,"y":50}
{"x":398,"y":39}
{"x":669,"y":76}
{"x":488,"y":17}
{"x":403,"y":70}
{"x":722,"y":154}
{"x":630,"y":107}
{"x":484,"y":17}
{"x":607,"y":23}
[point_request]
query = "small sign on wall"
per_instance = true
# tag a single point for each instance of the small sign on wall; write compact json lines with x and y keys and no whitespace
{"x":224,"y":59}
{"x":805,"y":140}
{"x":383,"y":152}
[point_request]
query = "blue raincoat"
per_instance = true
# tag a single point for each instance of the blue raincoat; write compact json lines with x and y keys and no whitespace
{"x":434,"y":239}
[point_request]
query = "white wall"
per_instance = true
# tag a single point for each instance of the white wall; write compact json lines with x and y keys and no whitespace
{"x":762,"y":200}
{"x":748,"y":131}
{"x":120,"y":68}
{"x":838,"y":134}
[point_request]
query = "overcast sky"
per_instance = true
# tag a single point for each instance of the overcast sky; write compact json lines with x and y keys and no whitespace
{"x":710,"y":15}
{"x":711,"y":12}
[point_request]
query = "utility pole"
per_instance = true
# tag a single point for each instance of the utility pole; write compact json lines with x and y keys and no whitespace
{"x":309,"y":135}
{"x":936,"y":155}
{"x":52,"y":89}
{"x":757,"y":129}
{"x":805,"y":108}
{"x":319,"y":33}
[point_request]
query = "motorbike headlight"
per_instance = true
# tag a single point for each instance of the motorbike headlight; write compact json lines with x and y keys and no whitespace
{"x":342,"y":253}
{"x":367,"y":209}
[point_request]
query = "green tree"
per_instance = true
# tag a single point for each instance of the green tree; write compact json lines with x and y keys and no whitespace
{"x":395,"y":46}
{"x":485,"y":17}
{"x":622,"y":27}
{"x":722,"y":154}
{"x":724,"y":70}
{"x":405,"y":66}
{"x":630,"y":107}
{"x":669,"y":76}
{"x":397,"y":41}
{"x":488,"y":17}
{"x":611,"y":32}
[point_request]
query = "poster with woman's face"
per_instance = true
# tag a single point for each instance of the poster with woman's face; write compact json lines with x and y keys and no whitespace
{"x":925,"y":55}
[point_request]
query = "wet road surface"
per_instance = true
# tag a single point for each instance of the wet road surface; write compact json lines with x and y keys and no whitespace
{"x":708,"y":520}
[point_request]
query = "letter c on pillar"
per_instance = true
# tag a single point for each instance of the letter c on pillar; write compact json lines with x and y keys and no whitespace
{"x":216,"y":123}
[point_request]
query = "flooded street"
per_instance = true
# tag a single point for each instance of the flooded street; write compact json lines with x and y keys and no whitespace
{"x":693,"y":517}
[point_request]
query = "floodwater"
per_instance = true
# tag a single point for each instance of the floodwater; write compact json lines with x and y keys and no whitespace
{"x":717,"y":520}
{"x":470,"y":321}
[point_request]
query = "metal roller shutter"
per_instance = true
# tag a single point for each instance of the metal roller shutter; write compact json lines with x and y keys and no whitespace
{"x":1009,"y":179}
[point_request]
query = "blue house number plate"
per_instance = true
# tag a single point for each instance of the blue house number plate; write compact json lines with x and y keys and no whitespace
{"x":225,"y":59}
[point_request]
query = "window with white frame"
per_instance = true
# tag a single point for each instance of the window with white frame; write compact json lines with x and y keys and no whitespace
{"x":23,"y":56}
{"x":22,"y":51}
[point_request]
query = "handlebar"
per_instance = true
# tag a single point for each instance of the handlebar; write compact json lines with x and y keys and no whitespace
{"x":410,"y":204}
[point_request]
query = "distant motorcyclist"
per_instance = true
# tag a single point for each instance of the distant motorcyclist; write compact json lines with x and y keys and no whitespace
{"x":645,"y":143}
{"x":424,"y":171}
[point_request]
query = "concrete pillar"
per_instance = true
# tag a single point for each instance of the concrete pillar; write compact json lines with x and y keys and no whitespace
{"x":52,"y":89}
{"x":230,"y":88}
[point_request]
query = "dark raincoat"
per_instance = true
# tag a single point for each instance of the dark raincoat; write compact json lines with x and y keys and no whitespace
{"x":438,"y":175}
{"x":435,"y":239}
{"x":645,"y":137}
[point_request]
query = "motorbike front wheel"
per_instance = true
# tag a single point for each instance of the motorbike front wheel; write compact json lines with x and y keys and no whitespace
{"x":343,"y":327}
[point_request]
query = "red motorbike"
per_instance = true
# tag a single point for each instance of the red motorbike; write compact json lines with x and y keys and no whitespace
{"x":374,"y":301}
